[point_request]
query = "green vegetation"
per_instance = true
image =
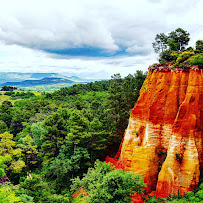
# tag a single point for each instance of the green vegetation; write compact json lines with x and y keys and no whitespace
{"x":8,"y":88}
{"x":19,"y":95}
{"x":103,"y":183}
{"x":50,"y":144}
{"x":179,"y":157}
{"x":4,"y":98}
{"x":199,"y":46}
{"x":192,"y":196}
{"x":47,"y":88}
{"x":172,"y":48}
{"x":8,"y":149}
{"x":161,"y":157}
{"x":197,"y":60}
{"x":49,"y":139}
{"x":16,"y":95}
{"x":7,"y":195}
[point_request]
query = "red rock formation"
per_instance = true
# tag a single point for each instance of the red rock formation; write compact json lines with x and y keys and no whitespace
{"x":163,"y":141}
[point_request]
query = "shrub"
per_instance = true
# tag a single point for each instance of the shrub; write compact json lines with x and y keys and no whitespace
{"x":167,"y":55}
{"x":9,"y":93}
{"x":58,"y":199}
{"x":184,"y":56}
{"x":179,"y":157}
{"x":197,"y":60}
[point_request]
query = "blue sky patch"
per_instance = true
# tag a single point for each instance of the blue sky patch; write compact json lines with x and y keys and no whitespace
{"x":87,"y":52}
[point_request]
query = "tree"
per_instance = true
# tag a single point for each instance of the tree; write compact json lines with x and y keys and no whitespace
{"x":3,"y":127}
{"x":116,"y":101}
{"x":36,"y":187}
{"x":3,"y":160}
{"x":8,"y":88}
{"x":103,"y":183}
{"x":167,"y":56}
{"x":199,"y":46}
{"x":19,"y":118}
{"x":168,"y":45}
{"x":123,"y":95}
{"x":56,"y":127}
{"x":178,"y":39}
{"x":96,"y":143}
{"x":160,"y":43}
{"x":7,"y":148}
{"x":29,"y":149}
{"x":6,"y":112}
{"x":69,"y":164}
{"x":38,"y":131}
{"x":7,"y":195}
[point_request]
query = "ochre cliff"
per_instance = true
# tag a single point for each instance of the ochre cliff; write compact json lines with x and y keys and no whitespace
{"x":163,"y":141}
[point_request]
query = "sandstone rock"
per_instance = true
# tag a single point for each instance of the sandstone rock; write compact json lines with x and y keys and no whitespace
{"x":163,"y":141}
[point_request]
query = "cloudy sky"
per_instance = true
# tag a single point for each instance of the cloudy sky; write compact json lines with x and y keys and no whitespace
{"x":90,"y":38}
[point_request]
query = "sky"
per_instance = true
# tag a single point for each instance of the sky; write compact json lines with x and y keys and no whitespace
{"x":90,"y":38}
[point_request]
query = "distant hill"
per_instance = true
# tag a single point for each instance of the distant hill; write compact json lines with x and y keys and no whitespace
{"x":45,"y":75}
{"x":18,"y":77}
{"x":37,"y":79}
{"x":78,"y":79}
{"x":44,"y":81}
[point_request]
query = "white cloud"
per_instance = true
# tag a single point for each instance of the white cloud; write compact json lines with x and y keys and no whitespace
{"x":21,"y":59}
{"x":28,"y":27}
{"x":102,"y":24}
{"x":138,"y":49}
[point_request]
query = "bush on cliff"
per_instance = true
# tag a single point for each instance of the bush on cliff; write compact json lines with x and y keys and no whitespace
{"x":197,"y":60}
{"x":167,"y":56}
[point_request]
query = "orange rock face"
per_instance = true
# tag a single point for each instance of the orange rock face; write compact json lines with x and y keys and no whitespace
{"x":163,"y":141}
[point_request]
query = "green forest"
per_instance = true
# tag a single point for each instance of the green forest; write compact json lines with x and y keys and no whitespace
{"x":54,"y":144}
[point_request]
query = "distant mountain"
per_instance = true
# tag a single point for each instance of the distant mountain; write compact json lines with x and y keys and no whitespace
{"x":45,"y":75}
{"x":44,"y":81}
{"x":77,"y":79}
{"x":18,"y":77}
{"x":38,"y":79}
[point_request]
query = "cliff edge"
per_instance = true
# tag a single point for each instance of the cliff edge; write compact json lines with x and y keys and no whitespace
{"x":163,"y":140}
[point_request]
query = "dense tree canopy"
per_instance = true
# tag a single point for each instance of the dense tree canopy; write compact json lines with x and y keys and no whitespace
{"x":103,"y":183}
{"x":47,"y":140}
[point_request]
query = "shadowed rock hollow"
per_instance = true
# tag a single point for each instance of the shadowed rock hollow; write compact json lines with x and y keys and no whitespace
{"x":163,"y":140}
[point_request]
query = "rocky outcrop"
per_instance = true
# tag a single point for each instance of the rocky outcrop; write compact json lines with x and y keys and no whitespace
{"x":163,"y":141}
